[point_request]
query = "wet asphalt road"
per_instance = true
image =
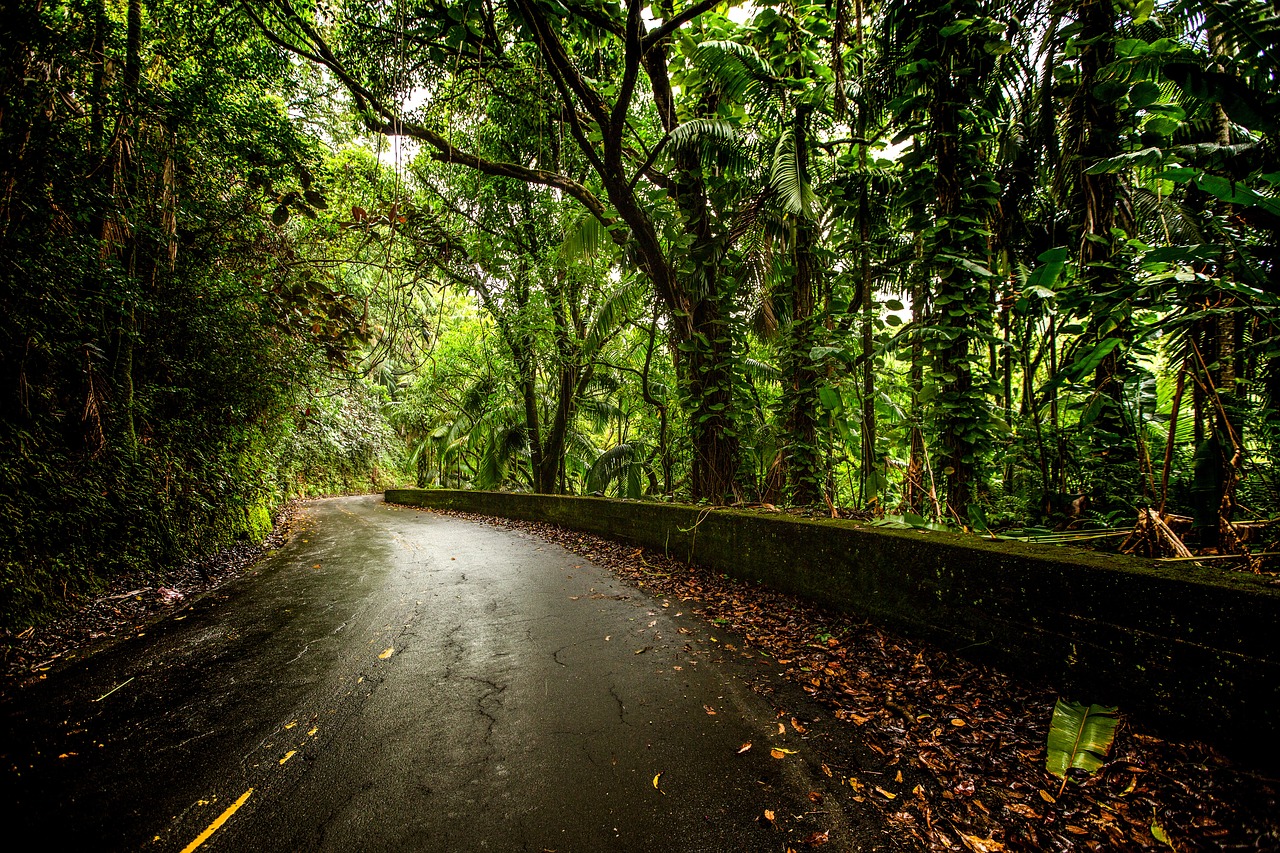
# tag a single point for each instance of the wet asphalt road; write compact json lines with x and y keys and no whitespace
{"x":397,"y":680}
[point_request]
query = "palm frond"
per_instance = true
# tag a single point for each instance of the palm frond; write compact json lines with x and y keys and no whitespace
{"x":587,"y":241}
{"x":719,"y":145}
{"x":614,"y":465}
{"x":599,"y":412}
{"x":617,"y":309}
{"x":785,"y":177}
{"x":761,"y":371}
{"x":704,"y":132}
{"x":737,"y":71}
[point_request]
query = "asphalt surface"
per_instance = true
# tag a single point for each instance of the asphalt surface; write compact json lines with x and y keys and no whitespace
{"x":398,"y":680}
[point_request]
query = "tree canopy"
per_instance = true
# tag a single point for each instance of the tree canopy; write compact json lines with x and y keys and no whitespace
{"x":1004,"y":266}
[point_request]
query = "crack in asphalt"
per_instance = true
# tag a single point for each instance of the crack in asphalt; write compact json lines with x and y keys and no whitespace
{"x":622,"y":707}
{"x":488,"y":703}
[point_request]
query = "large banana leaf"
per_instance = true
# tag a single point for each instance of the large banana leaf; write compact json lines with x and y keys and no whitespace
{"x":1079,"y":736}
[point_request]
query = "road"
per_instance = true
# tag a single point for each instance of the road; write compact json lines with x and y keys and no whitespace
{"x":399,"y":680}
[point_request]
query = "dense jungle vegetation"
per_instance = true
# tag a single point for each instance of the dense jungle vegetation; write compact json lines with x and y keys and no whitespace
{"x":993,"y":264}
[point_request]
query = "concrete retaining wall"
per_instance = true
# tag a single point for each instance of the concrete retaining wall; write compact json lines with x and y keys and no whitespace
{"x":1195,"y":652}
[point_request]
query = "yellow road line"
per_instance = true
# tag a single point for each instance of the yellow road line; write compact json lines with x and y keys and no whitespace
{"x":217,"y":824}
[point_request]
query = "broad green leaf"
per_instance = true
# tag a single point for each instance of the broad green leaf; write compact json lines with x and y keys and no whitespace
{"x":1080,"y":736}
{"x":830,"y":399}
{"x":1162,"y":125}
{"x":1144,"y":94}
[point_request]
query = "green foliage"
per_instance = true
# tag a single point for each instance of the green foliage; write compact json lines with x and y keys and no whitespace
{"x":150,"y":328}
{"x":339,"y":443}
{"x":945,"y":262}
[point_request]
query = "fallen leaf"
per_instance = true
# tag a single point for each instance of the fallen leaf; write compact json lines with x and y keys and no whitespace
{"x":898,"y":778}
{"x":290,"y":754}
{"x":957,"y":722}
{"x":826,"y":770}
{"x":817,"y":839}
{"x":711,"y":712}
{"x":768,"y":815}
{"x":386,"y":654}
{"x":1158,"y":833}
{"x":1046,"y":796}
{"x":655,"y":782}
{"x":781,"y":753}
{"x":782,"y":730}
{"x":888,"y":795}
{"x":1023,"y":810}
{"x":1077,"y":830}
{"x":815,"y":796}
{"x":982,"y":845}
{"x":744,"y":747}
{"x":642,"y":651}
{"x":795,"y":725}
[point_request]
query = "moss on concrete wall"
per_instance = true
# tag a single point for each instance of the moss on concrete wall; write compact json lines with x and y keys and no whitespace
{"x":1193,"y":650}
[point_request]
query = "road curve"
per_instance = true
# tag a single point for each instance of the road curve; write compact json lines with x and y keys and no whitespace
{"x":399,"y":680}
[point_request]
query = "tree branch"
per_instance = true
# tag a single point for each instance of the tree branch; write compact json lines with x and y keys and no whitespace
{"x":633,"y":53}
{"x":380,"y":118}
{"x":657,"y":36}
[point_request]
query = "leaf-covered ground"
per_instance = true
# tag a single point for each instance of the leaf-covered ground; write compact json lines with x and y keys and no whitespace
{"x":950,"y":753}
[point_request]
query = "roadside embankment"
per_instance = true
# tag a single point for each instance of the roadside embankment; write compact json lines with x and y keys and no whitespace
{"x":1194,"y":651}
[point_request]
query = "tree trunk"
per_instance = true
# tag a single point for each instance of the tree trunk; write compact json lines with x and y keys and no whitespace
{"x":1095,"y":129}
{"x":802,"y":453}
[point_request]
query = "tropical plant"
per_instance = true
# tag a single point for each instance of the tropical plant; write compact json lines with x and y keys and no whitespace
{"x":1080,"y":737}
